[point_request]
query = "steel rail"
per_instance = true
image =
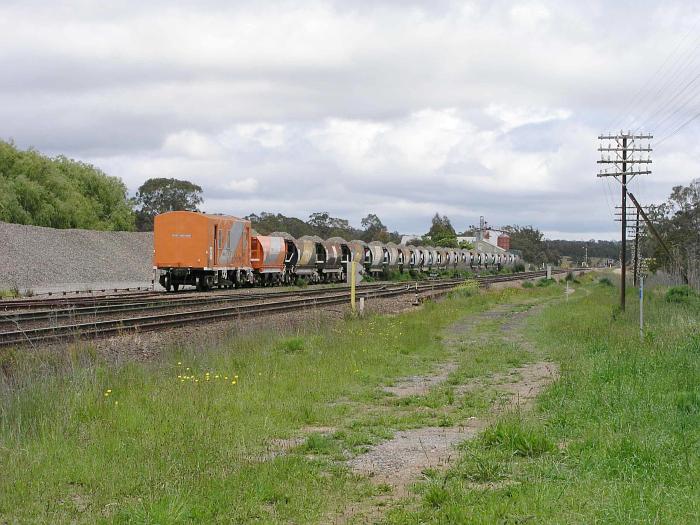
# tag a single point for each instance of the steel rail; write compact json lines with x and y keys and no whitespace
{"x":14,"y":317}
{"x":331,"y":296}
{"x":129,"y":298}
{"x":106,"y":327}
{"x":169,"y":301}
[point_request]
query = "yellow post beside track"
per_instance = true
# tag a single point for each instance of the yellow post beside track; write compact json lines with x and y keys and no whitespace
{"x":353,"y":265}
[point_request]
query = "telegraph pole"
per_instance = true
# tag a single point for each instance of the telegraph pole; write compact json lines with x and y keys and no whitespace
{"x":632,"y":215}
{"x":636,"y":251}
{"x":625,"y":153}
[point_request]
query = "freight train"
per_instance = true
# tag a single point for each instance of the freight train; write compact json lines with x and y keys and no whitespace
{"x":209,"y":250}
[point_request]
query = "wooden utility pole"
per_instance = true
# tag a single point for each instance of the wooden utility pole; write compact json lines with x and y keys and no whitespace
{"x":636,"y":251}
{"x":635,"y":229}
{"x":622,"y":152}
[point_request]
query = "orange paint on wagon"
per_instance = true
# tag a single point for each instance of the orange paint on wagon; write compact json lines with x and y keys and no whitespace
{"x":185,"y":239}
{"x":267,"y":253}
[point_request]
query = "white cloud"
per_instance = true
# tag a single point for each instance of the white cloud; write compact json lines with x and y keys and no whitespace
{"x":418,"y":143}
{"x":514,"y":117}
{"x":247,"y":185}
{"x":267,"y":135}
{"x":529,"y":15}
{"x":191,"y":144}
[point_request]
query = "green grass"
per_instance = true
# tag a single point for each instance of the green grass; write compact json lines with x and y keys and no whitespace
{"x":615,"y":440}
{"x":191,"y":436}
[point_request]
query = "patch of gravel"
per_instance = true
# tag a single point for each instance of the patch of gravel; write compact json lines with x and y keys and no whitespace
{"x":420,"y":385}
{"x":400,"y":460}
{"x":46,"y":258}
{"x":518,"y":387}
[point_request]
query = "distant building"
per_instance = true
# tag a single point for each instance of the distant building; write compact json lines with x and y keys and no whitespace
{"x":504,"y":241}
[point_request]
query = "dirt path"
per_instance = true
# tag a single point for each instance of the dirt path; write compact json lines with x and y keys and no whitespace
{"x":399,"y":462}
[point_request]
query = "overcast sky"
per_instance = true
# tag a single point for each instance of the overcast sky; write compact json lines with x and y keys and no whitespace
{"x":398,"y":108}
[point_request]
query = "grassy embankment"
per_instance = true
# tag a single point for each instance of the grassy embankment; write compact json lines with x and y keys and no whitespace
{"x":189,"y":438}
{"x":616,"y":440}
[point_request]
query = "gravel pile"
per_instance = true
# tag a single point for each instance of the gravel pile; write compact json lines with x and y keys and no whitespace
{"x":35,"y":257}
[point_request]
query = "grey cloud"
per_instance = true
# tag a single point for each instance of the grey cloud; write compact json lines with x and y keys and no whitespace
{"x":162,"y":89}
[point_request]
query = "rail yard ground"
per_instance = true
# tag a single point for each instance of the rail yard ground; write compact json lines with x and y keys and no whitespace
{"x":505,"y":406}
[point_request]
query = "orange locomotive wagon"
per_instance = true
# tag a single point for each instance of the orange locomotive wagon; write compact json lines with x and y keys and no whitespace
{"x":203,"y":250}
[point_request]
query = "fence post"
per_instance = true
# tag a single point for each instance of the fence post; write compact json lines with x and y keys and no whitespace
{"x":641,"y":307}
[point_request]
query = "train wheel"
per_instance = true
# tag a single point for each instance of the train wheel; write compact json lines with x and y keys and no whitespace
{"x":176,"y":286}
{"x":167,"y":284}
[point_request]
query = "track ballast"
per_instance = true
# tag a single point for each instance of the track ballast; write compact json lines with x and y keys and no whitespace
{"x":113,"y":315}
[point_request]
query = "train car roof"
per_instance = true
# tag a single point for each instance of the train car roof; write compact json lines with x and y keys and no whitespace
{"x":202,"y":214}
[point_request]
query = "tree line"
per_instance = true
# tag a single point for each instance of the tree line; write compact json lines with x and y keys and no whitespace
{"x":60,"y":192}
{"x":678,"y":223}
{"x":323,"y":225}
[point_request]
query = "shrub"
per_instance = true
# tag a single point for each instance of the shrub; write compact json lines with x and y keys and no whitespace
{"x":528,"y":284}
{"x":318,"y":444}
{"x":518,"y":267}
{"x":545,"y":282}
{"x":292,"y":345}
{"x":681,"y":294}
{"x":436,"y":495}
{"x":480,"y":467}
{"x":514,"y":435}
{"x":605,"y":281}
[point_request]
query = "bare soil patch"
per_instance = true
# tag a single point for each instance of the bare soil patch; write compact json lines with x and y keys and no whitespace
{"x":399,"y":461}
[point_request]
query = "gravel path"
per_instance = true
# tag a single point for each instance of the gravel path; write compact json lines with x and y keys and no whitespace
{"x":49,"y":259}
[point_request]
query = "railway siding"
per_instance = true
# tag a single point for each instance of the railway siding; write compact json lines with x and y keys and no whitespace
{"x":164,"y":311}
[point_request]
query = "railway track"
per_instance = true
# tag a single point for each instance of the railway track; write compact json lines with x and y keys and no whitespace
{"x":99,"y":320}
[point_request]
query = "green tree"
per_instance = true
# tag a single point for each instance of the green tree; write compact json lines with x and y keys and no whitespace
{"x":531,"y":242}
{"x":678,"y":222}
{"x":265,"y":223}
{"x":60,"y":192}
{"x":442,"y":233}
{"x":160,"y":195}
{"x":374,"y":229}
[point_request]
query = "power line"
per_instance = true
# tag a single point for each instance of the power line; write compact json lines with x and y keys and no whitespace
{"x":691,"y":119}
{"x":633,"y":101}
{"x":669,"y":102}
{"x":674,"y":64}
